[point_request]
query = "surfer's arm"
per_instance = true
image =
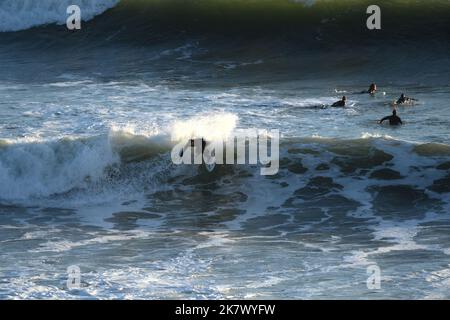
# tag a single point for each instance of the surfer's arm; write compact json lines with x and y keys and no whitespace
{"x":185,"y":148}
{"x":384,"y":119}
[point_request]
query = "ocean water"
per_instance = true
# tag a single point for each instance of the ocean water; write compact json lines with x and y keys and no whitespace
{"x":88,"y":120}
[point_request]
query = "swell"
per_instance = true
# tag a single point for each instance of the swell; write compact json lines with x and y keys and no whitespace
{"x":323,"y":22}
{"x":270,"y":39}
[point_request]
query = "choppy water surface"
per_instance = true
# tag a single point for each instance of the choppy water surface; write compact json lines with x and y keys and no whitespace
{"x":87,"y":122}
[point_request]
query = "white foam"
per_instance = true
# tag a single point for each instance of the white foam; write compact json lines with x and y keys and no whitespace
{"x":18,"y":15}
{"x":66,"y":245}
{"x":368,"y":135}
{"x":212,"y":127}
{"x":46,"y":168}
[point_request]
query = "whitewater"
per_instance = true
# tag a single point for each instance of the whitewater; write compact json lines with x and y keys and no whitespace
{"x":25,"y":14}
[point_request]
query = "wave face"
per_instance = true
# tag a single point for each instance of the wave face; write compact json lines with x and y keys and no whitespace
{"x":41,"y":169}
{"x":321,"y":20}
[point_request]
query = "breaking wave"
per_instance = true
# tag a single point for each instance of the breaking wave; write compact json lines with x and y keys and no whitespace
{"x":24,"y":14}
{"x":43,"y":169}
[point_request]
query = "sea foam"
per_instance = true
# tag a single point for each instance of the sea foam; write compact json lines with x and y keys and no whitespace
{"x":18,"y":15}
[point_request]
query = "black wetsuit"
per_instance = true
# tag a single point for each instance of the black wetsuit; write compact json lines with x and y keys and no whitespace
{"x":402,"y":100}
{"x":340,"y":103}
{"x":393,"y":120}
{"x":203,"y":144}
{"x":192,"y":141}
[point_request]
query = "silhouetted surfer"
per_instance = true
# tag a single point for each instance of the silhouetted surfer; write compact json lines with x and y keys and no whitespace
{"x":340,"y":103}
{"x":394,"y":120}
{"x":209,"y":160}
{"x":403,"y":99}
{"x":191,"y":143}
{"x":372,"y":89}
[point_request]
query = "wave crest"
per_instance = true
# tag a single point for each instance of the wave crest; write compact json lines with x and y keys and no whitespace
{"x":18,"y":15}
{"x":41,"y":169}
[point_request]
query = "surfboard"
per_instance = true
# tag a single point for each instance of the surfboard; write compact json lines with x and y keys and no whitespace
{"x":209,"y":167}
{"x":404,"y":104}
